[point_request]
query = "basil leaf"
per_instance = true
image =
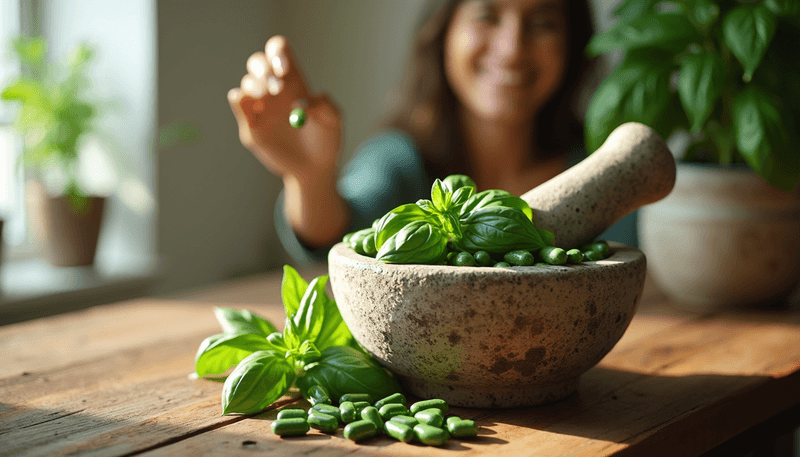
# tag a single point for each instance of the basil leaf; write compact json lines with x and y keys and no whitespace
{"x":455,"y":182}
{"x":343,"y":369}
{"x":630,"y":9}
{"x":334,"y":331}
{"x":292,"y":288}
{"x":417,"y":242}
{"x":498,"y":230}
{"x":747,"y":31}
{"x":257,"y":382}
{"x":783,"y":7}
{"x":440,"y":196}
{"x":235,"y":321}
{"x":461,"y":196}
{"x":218,"y":353}
{"x":762,"y":139}
{"x":494,"y":197}
{"x":667,"y":31}
{"x":701,"y":79}
{"x":308,"y":352}
{"x":705,"y":12}
{"x":278,"y":342}
{"x":547,"y":236}
{"x":311,"y":313}
{"x":393,"y":221}
{"x":291,"y":334}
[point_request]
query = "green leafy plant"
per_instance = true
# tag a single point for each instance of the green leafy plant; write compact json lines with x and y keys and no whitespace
{"x":454,"y":219}
{"x":726,"y":71}
{"x":315,"y":348}
{"x":54,"y":114}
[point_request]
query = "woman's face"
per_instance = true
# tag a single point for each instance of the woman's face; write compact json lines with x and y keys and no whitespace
{"x":504,"y":59}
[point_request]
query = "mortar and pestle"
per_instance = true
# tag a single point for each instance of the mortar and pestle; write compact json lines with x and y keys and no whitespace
{"x":519,"y":336}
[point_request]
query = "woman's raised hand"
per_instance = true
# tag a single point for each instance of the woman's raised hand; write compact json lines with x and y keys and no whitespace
{"x":272,"y":87}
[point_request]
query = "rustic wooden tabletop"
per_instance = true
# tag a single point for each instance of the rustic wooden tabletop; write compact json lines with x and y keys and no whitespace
{"x":113,"y":381}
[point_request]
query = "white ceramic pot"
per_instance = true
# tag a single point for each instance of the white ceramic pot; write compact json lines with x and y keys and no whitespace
{"x":723,"y":238}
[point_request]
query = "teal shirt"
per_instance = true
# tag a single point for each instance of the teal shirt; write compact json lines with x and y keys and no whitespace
{"x":386,"y":172}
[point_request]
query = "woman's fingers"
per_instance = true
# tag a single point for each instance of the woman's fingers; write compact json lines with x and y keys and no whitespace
{"x":283,"y":71}
{"x":322,"y":109}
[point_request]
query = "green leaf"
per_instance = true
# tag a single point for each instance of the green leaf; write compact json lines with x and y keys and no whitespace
{"x":31,"y":50}
{"x":417,"y":242}
{"x":460,"y":196}
{"x":455,"y":182}
{"x":243,"y":321}
{"x":783,"y":7}
{"x":311,"y":313}
{"x":393,"y":221}
{"x":547,"y":236}
{"x":27,"y":91}
{"x":343,"y":370}
{"x":291,"y":334}
{"x":257,"y":382}
{"x":763,"y":141}
{"x":334,"y":331}
{"x":702,"y":77}
{"x":494,"y":197}
{"x":308,"y":352}
{"x":705,"y":12}
{"x":292,"y":289}
{"x":498,"y":230}
{"x":667,"y":31}
{"x":440,"y":196}
{"x":218,"y":353}
{"x":631,"y":9}
{"x":748,"y":31}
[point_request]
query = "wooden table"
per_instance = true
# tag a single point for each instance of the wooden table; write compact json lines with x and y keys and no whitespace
{"x":113,"y":381}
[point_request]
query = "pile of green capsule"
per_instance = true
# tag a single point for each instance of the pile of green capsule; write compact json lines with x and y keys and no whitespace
{"x":546,"y":256}
{"x":425,"y":421}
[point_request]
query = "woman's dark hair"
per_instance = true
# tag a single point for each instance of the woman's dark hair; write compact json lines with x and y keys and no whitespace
{"x":426,"y":105}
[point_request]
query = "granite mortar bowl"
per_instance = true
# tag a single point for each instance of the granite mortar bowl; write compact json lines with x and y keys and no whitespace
{"x":488,"y":337}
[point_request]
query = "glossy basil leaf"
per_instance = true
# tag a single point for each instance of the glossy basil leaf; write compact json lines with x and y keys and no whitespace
{"x":631,"y":9}
{"x":547,"y":236}
{"x":291,"y":334}
{"x":460,"y":196}
{"x":242,"y":321}
{"x":257,"y":382}
{"x":498,"y":230}
{"x":334,"y":331}
{"x":494,"y":197}
{"x":667,"y":31}
{"x":308,"y":352}
{"x":455,"y":182}
{"x":763,"y":141}
{"x":293,"y":286}
{"x":702,"y":77}
{"x":705,"y":12}
{"x":451,"y":225}
{"x":218,"y":353}
{"x":311,"y":313}
{"x":440,"y":196}
{"x":417,"y":242}
{"x":278,"y":342}
{"x":343,"y":369}
{"x":747,"y":32}
{"x":398,"y":218}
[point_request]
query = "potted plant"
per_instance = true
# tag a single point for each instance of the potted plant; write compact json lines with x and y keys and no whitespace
{"x":723,"y":77}
{"x":53,"y":118}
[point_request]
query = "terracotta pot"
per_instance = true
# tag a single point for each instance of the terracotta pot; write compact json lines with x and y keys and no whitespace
{"x":69,"y":238}
{"x":723,"y":238}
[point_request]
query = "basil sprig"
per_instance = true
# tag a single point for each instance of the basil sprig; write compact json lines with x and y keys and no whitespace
{"x":455,"y":218}
{"x":315,"y":348}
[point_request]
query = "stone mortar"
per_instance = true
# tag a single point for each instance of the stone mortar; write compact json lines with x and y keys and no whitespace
{"x":520,"y":336}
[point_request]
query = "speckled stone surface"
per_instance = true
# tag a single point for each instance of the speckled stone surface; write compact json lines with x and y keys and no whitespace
{"x":488,"y":337}
{"x":632,"y":168}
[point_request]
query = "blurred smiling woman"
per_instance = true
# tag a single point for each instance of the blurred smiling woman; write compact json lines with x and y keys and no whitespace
{"x":489,"y":93}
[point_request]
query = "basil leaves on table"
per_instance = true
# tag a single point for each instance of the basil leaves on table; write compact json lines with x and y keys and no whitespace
{"x":454,"y":219}
{"x":315,"y":348}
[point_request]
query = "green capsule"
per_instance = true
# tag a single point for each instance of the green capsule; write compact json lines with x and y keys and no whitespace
{"x":462,"y":428}
{"x":292,"y":413}
{"x":360,"y":430}
{"x":437,"y":403}
{"x":520,"y":257}
{"x":483,"y":259}
{"x":318,"y":395}
{"x":347,"y":411}
{"x":393,"y":398}
{"x":398,"y":431}
{"x":327,"y":409}
{"x":553,"y":255}
{"x":464,"y":259}
{"x":405,"y":420}
{"x":297,"y":118}
{"x":599,"y":246}
{"x":294,"y":426}
{"x":368,"y":246}
{"x":390,"y":410}
{"x":371,"y":413}
{"x":541,"y":264}
{"x":355,"y":397}
{"x":451,"y":257}
{"x":431,"y":416}
{"x":360,"y":405}
{"x":592,"y":256}
{"x":502,"y":264}
{"x":430,"y":435}
{"x":574,"y":256}
{"x":323,"y":422}
{"x":452,"y":419}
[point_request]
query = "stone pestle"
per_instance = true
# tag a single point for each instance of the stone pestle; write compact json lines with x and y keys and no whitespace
{"x":632,"y":168}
